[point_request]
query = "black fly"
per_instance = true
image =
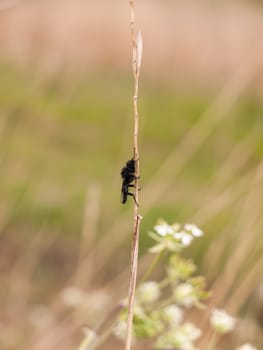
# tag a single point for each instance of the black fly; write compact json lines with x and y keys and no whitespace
{"x":128,"y":176}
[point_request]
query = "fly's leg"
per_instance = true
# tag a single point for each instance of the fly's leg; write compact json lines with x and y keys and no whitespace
{"x":133,"y":196}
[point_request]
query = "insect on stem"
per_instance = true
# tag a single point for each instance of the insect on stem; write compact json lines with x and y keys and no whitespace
{"x":128,"y":177}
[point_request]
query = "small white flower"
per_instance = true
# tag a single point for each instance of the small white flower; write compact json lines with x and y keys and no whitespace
{"x":246,"y":346}
{"x":191,"y":331}
{"x":174,"y":339}
{"x":183,"y":342}
{"x":172,"y":314}
{"x":184,"y":294}
{"x":178,"y":235}
{"x":195,"y":231}
{"x":148,"y":292}
{"x":184,"y":238}
{"x":72,"y":296}
{"x":163,"y":229}
{"x":221,"y":321}
{"x":120,"y":329}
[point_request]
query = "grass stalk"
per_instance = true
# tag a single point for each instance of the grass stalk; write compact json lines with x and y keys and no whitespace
{"x":136,"y":64}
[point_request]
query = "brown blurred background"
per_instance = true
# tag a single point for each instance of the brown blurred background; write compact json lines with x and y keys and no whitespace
{"x":198,"y":40}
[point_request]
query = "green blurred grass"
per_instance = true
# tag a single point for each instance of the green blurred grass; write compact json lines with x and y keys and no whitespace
{"x":62,"y":134}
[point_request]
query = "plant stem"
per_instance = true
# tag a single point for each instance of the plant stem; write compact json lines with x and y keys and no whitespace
{"x":136,"y":62}
{"x":152,"y":266}
{"x":212,"y":342}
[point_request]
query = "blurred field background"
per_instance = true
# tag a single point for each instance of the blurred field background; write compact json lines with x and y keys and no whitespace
{"x":66,"y":131}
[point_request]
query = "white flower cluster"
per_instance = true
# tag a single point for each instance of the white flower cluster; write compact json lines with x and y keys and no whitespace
{"x":221,"y":321}
{"x":120,"y":329}
{"x":174,"y":237}
{"x":181,"y":337}
{"x":148,"y":292}
{"x":185,"y":295}
{"x":172,"y":314}
{"x":193,"y":229}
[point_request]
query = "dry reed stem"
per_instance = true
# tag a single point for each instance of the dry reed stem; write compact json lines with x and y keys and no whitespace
{"x":233,"y":286}
{"x":242,"y":292}
{"x":86,"y":248}
{"x":136,"y":64}
{"x":238,"y":157}
{"x":244,"y":227}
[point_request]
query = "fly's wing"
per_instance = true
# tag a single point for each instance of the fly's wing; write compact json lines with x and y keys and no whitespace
{"x":123,"y":197}
{"x":123,"y":193}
